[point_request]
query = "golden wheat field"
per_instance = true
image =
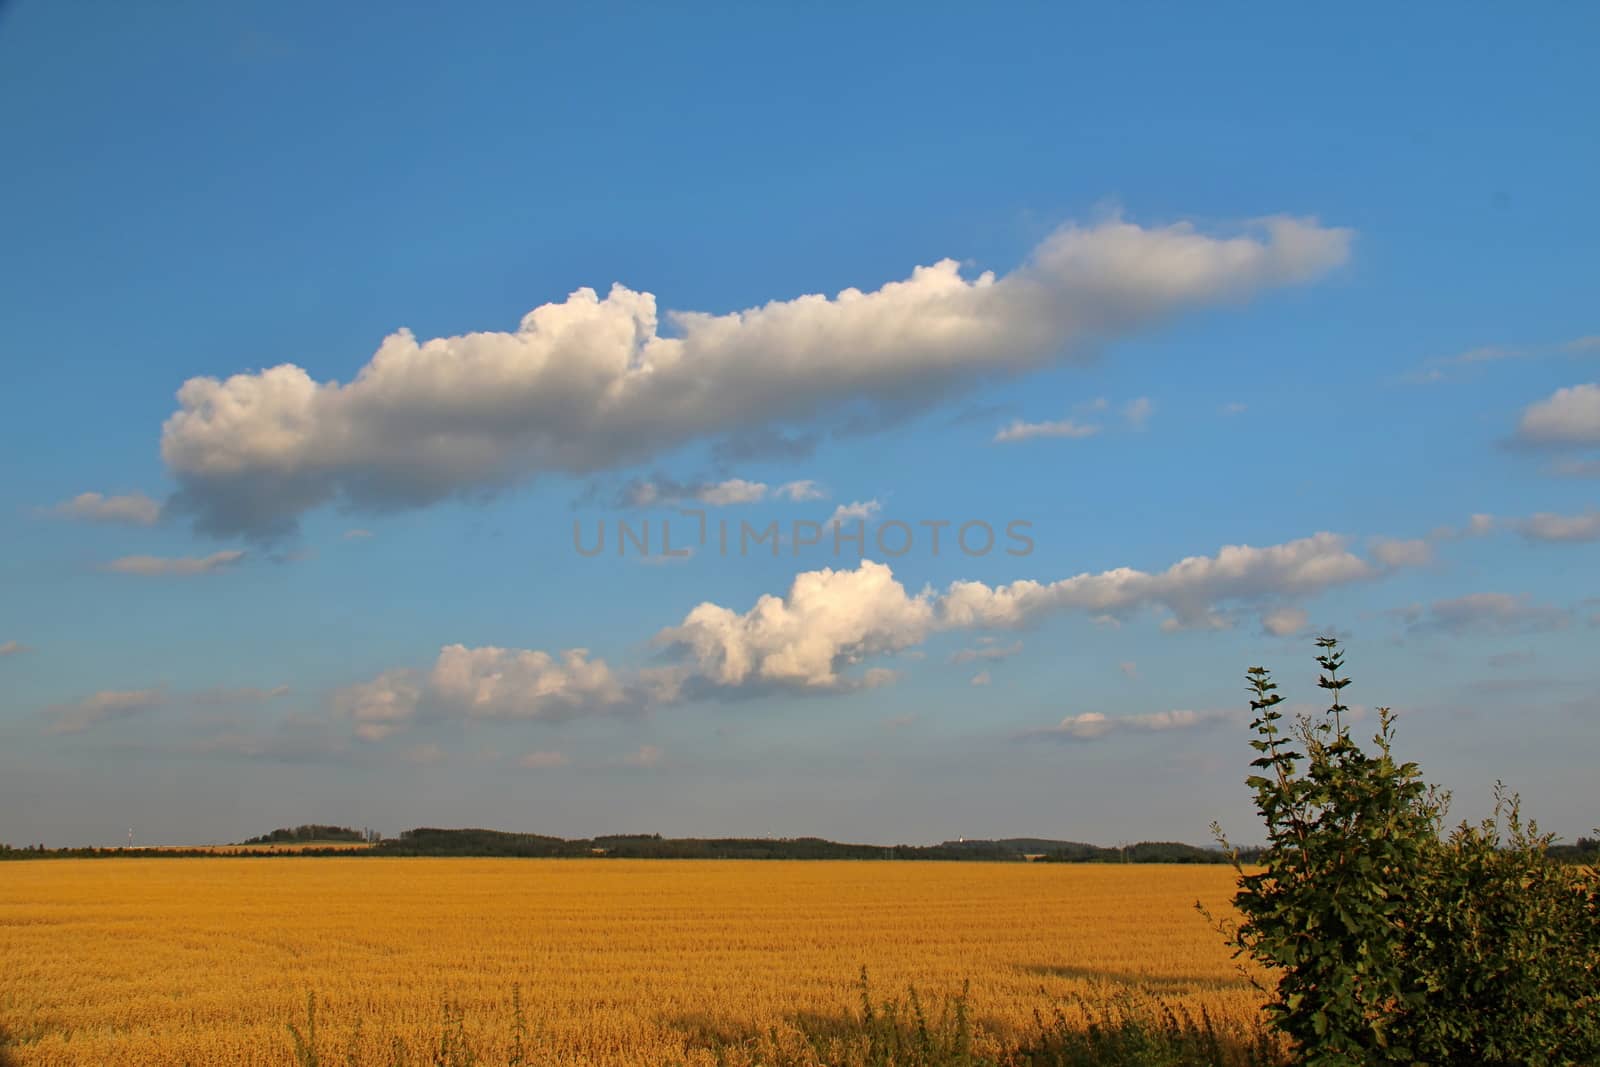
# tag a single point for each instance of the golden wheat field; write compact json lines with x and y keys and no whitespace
{"x":206,"y":961}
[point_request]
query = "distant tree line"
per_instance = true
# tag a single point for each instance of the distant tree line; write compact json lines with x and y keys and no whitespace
{"x":432,"y":841}
{"x":313,"y":832}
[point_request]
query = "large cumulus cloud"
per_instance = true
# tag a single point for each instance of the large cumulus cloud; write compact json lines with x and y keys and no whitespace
{"x":594,"y":382}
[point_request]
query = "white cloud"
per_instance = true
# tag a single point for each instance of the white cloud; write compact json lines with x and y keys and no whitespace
{"x":1546,"y":526}
{"x":1234,"y":408}
{"x":1129,"y":669}
{"x":1138,"y":412}
{"x":357,"y":535}
{"x":1093,"y":725}
{"x":483,"y":683}
{"x":543,"y":760}
{"x":860,"y":509}
{"x":1478,"y":525}
{"x":1025,"y":431}
{"x":386,"y":704}
{"x":661,"y":490}
{"x":981,"y":678}
{"x":1392,"y":552}
{"x":828,"y":620}
{"x":1285,"y":622}
{"x":509,"y":683}
{"x":832,"y":619}
{"x":733,"y":491}
{"x":1569,"y":416}
{"x":134,"y":509}
{"x":876,"y":676}
{"x":13,"y":648}
{"x":592,"y":383}
{"x":154,"y":566}
{"x":106,"y":706}
{"x":800,"y":491}
{"x":1193,"y":590}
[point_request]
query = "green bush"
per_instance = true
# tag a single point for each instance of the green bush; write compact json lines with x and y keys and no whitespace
{"x":1389,"y":943}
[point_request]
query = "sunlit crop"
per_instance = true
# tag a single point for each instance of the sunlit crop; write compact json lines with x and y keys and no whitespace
{"x":206,"y":961}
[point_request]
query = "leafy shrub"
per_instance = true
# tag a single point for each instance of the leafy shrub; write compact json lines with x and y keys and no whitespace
{"x":1388,"y":943}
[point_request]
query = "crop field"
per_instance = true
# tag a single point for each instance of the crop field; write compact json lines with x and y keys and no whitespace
{"x":206,"y":961}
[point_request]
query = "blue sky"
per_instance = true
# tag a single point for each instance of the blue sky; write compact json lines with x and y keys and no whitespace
{"x":1318,"y":286}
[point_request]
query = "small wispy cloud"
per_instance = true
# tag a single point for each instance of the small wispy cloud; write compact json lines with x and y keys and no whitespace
{"x":1138,"y":412}
{"x":1546,"y":526}
{"x":1019,"y":430}
{"x":801,"y":491}
{"x":157,"y":566}
{"x":1396,"y":552}
{"x":1460,"y":365}
{"x":859,"y":509}
{"x":660,"y":490}
{"x":1447,"y":368}
{"x":992,"y":653}
{"x":1094,"y":726}
{"x":1284,"y":622}
{"x":1483,"y":613}
{"x":13,"y":648}
{"x":106,"y":706}
{"x":132,"y":509}
{"x":732,"y":491}
{"x":981,"y":678}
